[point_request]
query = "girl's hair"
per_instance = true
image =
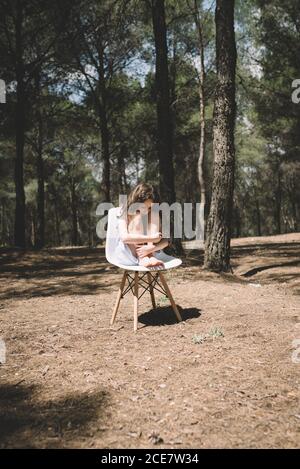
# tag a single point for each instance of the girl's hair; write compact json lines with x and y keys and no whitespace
{"x":141,"y":193}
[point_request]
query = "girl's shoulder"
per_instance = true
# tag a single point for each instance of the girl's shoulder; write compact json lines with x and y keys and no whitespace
{"x":120,"y":213}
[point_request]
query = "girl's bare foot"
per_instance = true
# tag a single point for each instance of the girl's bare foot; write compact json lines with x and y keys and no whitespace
{"x":150,"y":261}
{"x":155,"y":262}
{"x":145,"y":262}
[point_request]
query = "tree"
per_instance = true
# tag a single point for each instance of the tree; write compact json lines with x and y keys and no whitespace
{"x":199,"y":28}
{"x":277,"y":36}
{"x":99,"y":44}
{"x":164,"y":118}
{"x":217,"y":245}
{"x":23,"y":26}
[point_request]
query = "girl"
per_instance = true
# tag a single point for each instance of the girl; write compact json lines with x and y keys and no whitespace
{"x":135,"y":246}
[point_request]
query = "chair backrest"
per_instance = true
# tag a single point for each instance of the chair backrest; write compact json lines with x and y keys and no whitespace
{"x":112,"y":234}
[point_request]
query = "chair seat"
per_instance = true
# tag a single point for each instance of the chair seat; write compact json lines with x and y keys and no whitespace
{"x":169,"y":263}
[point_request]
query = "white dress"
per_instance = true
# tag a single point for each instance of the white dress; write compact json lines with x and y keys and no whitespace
{"x":123,"y":254}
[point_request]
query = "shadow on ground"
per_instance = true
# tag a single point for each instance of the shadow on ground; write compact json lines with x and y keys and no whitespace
{"x":261,"y":268}
{"x":30,"y":423}
{"x":163,"y":316}
{"x":85,"y":271}
{"x":52,"y":272}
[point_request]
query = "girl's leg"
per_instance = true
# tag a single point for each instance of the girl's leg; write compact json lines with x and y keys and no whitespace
{"x":136,"y":226}
{"x":154,"y":227}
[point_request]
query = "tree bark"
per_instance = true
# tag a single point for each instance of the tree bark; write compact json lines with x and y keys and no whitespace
{"x":164,"y":118}
{"x":40,"y":231}
{"x":74,"y":215}
{"x":278,"y":197}
{"x":164,"y":115}
{"x":258,"y":217}
{"x":3,"y":224}
{"x":122,"y":182}
{"x":202,"y":107}
{"x":19,"y":229}
{"x":57,"y":223}
{"x":104,"y":129}
{"x":294,"y":215}
{"x":217,"y":245}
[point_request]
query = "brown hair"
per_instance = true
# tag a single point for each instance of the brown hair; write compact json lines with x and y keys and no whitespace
{"x":142,"y":192}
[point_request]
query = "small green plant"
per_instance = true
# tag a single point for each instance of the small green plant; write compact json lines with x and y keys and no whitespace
{"x":214,"y":333}
{"x":199,"y":338}
{"x":163,"y":299}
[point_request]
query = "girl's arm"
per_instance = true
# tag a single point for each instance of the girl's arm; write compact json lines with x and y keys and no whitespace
{"x":163,"y":243}
{"x":145,"y":250}
{"x":135,"y":238}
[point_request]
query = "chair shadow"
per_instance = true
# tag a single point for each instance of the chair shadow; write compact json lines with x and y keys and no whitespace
{"x":165,"y":316}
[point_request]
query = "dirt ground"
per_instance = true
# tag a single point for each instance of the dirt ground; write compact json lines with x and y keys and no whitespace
{"x":226,"y":376}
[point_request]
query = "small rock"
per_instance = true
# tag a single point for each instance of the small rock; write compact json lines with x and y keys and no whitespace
{"x":45,"y":370}
{"x":155,"y":438}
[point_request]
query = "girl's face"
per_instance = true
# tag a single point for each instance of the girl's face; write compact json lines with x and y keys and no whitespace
{"x":147,"y":206}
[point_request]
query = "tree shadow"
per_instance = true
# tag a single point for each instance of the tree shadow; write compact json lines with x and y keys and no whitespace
{"x":47,"y":263}
{"x":85,"y":271}
{"x":261,"y":268}
{"x":38,"y":289}
{"x":78,"y":271}
{"x":26,"y":422}
{"x":291,"y":249}
{"x":165,"y":316}
{"x":195,"y":257}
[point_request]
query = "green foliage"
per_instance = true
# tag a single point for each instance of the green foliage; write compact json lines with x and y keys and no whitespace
{"x":81,"y":57}
{"x":214,"y":333}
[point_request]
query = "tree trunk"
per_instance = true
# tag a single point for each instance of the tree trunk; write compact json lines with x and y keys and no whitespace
{"x":74,"y":215}
{"x":40,"y":235}
{"x":164,"y":115}
{"x":40,"y":241}
{"x":217,"y":246}
{"x":89,"y":229}
{"x":19,"y":229}
{"x":104,"y":130}
{"x":294,"y":214}
{"x":164,"y":119}
{"x":237,"y":220}
{"x":278,"y":198}
{"x":3,"y":224}
{"x":258,"y":218}
{"x":57,"y":224}
{"x":202,"y":107}
{"x":122,"y":182}
{"x":173,"y":95}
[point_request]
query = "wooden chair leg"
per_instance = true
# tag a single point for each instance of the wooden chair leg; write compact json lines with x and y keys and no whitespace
{"x":117,"y":304}
{"x":136,"y":301}
{"x":165,"y":285}
{"x":150,"y":280}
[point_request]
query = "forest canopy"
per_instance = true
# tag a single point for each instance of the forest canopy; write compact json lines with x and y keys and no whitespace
{"x":79,"y":125}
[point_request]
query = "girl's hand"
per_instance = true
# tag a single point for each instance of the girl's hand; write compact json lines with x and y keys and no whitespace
{"x":156,"y":237}
{"x":143,"y":250}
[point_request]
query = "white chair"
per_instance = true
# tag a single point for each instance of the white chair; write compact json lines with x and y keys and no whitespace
{"x":138,"y":277}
